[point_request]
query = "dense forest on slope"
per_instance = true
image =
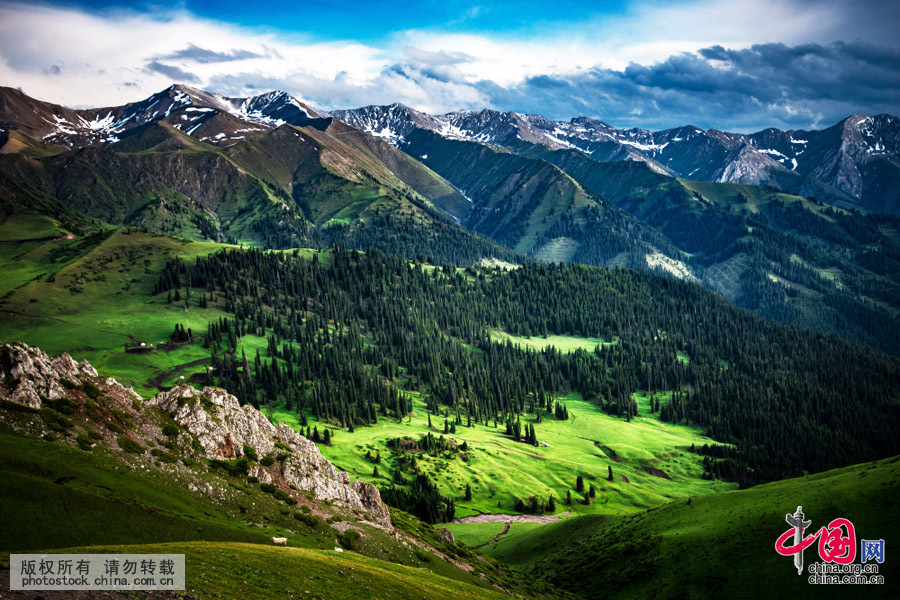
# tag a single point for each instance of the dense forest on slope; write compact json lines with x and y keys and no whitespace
{"x":344,"y":337}
{"x":792,"y":259}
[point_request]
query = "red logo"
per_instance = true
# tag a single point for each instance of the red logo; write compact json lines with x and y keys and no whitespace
{"x":837,"y":540}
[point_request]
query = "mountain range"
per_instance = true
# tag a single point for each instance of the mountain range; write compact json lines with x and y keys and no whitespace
{"x":785,"y":224}
{"x":853,"y":163}
{"x":216,"y":313}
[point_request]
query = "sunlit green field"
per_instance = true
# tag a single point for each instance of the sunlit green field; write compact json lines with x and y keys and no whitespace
{"x":563,"y":343}
{"x":500,"y":470}
{"x":92,"y":297}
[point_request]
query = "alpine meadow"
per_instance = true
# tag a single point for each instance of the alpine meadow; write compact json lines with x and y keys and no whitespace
{"x":443,"y":301}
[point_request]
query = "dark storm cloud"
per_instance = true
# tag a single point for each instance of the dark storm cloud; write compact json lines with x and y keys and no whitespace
{"x":205,"y":56}
{"x":761,"y":86}
{"x":172,"y":72}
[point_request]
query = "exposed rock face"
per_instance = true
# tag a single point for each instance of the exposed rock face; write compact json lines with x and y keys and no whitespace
{"x":447,"y":536}
{"x":223,"y":427}
{"x":371,"y":499}
{"x":28,"y":375}
{"x":213,"y":416}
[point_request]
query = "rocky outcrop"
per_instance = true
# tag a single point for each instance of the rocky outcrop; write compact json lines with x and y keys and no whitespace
{"x":217,"y":420}
{"x":223,"y":428}
{"x":371,"y":499}
{"x":28,"y":376}
{"x":447,"y":536}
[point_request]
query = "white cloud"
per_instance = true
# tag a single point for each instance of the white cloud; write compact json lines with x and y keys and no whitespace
{"x":105,"y":58}
{"x":87,"y":59}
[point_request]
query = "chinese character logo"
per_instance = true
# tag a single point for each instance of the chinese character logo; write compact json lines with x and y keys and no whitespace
{"x":871,"y":550}
{"x":837,"y":541}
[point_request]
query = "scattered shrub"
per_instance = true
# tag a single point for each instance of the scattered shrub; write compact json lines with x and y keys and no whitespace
{"x":54,"y":420}
{"x":267,"y":461}
{"x":91,"y":390}
{"x":284,"y":497}
{"x":84,"y":442}
{"x":235,"y":468}
{"x":163,"y":456}
{"x":129,"y":445}
{"x":267,"y":488}
{"x":114,"y":427}
{"x":170,"y":430}
{"x":311,"y":521}
{"x":6,"y":404}
{"x":250,"y":453}
{"x":123,"y":417}
{"x":93,"y":411}
{"x":351,"y":538}
{"x":61,"y":405}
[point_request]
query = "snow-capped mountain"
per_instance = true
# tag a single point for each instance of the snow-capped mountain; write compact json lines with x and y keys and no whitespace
{"x":854,"y":163}
{"x":848,"y":163}
{"x":204,"y":115}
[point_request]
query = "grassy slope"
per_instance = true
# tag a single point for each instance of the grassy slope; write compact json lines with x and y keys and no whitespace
{"x":499,"y":469}
{"x":480,"y":534}
{"x":60,"y":497}
{"x":253,"y":572}
{"x":55,"y":496}
{"x":563,"y":343}
{"x":475,"y":534}
{"x":113,"y":306}
{"x":91,"y":296}
{"x":519,"y":200}
{"x":720,"y":545}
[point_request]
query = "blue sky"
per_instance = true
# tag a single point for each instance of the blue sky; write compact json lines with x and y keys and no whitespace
{"x":374,"y":21}
{"x":739,"y":65}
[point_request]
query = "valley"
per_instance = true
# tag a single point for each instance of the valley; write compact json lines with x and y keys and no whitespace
{"x":468,"y":355}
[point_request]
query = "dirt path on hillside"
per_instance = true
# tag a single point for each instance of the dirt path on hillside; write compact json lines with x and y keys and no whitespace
{"x":43,"y":239}
{"x":496,"y":537}
{"x":495,"y":518}
{"x":156,"y":380}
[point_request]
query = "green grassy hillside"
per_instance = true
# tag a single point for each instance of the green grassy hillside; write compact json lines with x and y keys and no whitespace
{"x":651,"y":460}
{"x":718,"y":546}
{"x":255,"y":572}
{"x":92,"y":297}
